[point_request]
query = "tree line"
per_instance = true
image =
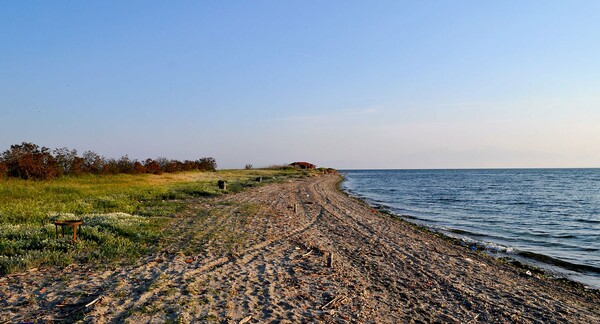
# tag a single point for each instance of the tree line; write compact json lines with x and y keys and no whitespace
{"x":30,"y":161}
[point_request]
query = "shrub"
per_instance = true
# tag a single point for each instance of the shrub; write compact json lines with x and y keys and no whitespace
{"x":207,"y":164}
{"x":65,"y":159}
{"x":92,"y":163}
{"x":152,"y":167}
{"x":125,"y":165}
{"x":138,"y":168}
{"x":3,"y":170}
{"x":110,"y":167}
{"x":29,"y":161}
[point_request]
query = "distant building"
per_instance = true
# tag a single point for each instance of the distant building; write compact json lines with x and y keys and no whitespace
{"x":303,"y":165}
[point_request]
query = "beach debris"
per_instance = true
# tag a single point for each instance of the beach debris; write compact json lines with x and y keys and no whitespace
{"x":307,"y":254}
{"x":93,"y":302}
{"x":528,"y":273}
{"x":78,"y":307}
{"x":245,"y":319}
{"x":474,"y":318}
{"x":334,"y":302}
{"x":330,"y":260}
{"x":295,"y":208}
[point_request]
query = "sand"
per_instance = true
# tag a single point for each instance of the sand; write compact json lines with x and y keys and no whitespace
{"x":334,"y":259}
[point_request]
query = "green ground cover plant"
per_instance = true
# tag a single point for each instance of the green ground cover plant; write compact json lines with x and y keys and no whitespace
{"x":125,"y":216}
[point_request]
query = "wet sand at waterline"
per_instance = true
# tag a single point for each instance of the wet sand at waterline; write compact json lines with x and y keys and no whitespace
{"x":299,"y":251}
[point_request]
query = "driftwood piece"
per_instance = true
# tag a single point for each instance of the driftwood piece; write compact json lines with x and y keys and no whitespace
{"x":246,"y":319}
{"x":307,"y":253}
{"x":332,"y":303}
{"x":78,"y":308}
{"x":93,"y":302}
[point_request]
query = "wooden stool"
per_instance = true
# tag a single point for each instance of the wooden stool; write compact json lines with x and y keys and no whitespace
{"x":71,"y":223}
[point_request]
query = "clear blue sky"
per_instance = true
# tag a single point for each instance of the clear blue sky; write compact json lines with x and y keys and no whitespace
{"x":346,"y":84}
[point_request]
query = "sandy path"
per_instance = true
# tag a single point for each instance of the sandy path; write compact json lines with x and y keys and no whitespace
{"x":250,"y":257}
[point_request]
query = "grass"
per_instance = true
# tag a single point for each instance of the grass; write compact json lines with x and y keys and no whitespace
{"x":125,"y":216}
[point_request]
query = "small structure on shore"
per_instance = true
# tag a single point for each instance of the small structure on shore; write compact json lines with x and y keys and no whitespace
{"x":303,"y":165}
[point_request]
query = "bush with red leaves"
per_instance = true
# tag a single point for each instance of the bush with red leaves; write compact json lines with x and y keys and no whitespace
{"x":29,"y":161}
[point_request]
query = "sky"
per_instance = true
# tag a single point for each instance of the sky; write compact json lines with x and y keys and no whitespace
{"x":343,"y":84}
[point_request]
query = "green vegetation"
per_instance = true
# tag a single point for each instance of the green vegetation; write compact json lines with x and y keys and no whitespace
{"x":125,"y":216}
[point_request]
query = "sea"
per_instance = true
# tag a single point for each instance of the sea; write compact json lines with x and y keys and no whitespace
{"x":549,"y":218}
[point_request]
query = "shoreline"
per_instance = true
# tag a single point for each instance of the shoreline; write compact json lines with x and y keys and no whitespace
{"x":302,"y":250}
{"x":520,"y":259}
{"x":551,"y":267}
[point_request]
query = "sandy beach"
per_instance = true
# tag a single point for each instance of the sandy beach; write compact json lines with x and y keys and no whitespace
{"x":298,"y":251}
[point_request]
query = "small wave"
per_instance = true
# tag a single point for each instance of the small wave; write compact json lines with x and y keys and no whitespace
{"x":590,"y":249}
{"x":445,"y":200}
{"x":485,"y":246}
{"x":493,"y":247}
{"x":408,"y":216}
{"x":550,"y":235}
{"x":590,"y":221}
{"x":462,"y":232}
{"x":557,"y":262}
{"x":519,"y":203}
{"x":565,"y":236}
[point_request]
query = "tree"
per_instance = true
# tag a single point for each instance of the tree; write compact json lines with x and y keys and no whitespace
{"x":65,"y":159}
{"x":125,"y":165}
{"x":152,"y":167}
{"x":138,"y":168}
{"x":77,"y":166}
{"x":29,"y":161}
{"x":110,"y":167}
{"x":93,"y":163}
{"x":207,"y":164}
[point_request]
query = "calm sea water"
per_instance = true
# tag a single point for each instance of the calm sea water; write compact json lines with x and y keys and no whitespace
{"x":548,"y":217}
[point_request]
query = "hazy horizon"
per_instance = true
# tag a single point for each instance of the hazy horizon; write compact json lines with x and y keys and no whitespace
{"x":349,"y":85}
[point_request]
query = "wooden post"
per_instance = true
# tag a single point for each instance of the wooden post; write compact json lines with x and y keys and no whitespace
{"x":222,"y":184}
{"x":295,"y":208}
{"x":330,"y":260}
{"x":75,"y":232}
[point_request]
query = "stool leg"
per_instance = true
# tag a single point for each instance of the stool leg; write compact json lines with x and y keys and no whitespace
{"x":74,"y":233}
{"x":56,"y":230}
